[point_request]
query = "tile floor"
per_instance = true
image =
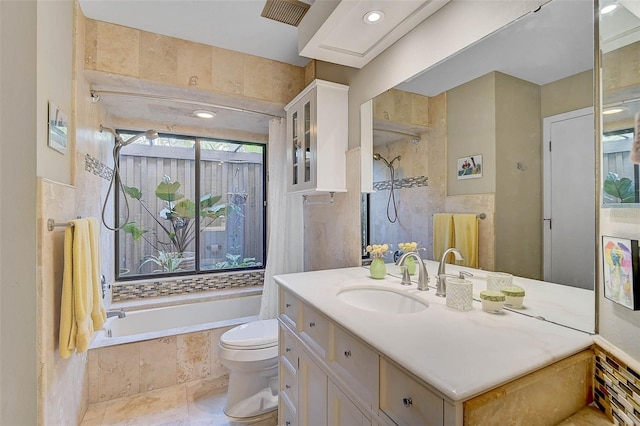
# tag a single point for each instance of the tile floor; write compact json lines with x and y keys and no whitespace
{"x":197,"y":403}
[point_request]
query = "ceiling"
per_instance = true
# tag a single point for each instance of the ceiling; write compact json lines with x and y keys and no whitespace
{"x":237,"y":25}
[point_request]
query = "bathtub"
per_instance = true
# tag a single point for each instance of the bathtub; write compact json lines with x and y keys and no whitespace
{"x":155,"y":322}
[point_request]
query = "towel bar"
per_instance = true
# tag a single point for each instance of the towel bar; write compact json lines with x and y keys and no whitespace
{"x":51,"y":224}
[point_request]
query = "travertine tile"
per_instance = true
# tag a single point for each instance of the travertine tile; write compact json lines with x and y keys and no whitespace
{"x":217,"y":369}
{"x":90,"y":43}
{"x":93,"y":373}
{"x":158,"y":363}
{"x":257,"y":81}
{"x":193,"y":356}
{"x":544,"y":397}
{"x":158,"y":58}
{"x":94,"y":414}
{"x":225,"y":66}
{"x":287,"y":82}
{"x":119,"y":371}
{"x":157,"y":407}
{"x":118,"y":49}
{"x":588,"y":416}
{"x":206,"y":399}
{"x":194,"y":65}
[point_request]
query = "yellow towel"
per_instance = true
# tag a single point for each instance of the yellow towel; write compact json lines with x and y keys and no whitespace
{"x":81,"y":309}
{"x":466,"y":238}
{"x":443,"y":236}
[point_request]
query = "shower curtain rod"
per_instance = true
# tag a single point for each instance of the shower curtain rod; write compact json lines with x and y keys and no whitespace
{"x":95,"y":95}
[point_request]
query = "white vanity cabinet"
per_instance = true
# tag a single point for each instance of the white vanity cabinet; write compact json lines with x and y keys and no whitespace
{"x":317,"y":135}
{"x":330,"y":377}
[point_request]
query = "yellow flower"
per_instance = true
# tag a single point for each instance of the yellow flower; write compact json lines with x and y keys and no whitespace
{"x":406,"y":247}
{"x":377,"y":250}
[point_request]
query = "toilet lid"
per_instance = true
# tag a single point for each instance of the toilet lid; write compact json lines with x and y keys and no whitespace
{"x":252,"y":335}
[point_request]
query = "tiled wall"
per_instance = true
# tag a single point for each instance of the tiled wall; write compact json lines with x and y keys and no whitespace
{"x":144,"y":290}
{"x":132,"y":368}
{"x":617,"y":389}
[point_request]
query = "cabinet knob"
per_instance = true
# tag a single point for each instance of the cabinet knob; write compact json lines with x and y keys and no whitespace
{"x":407,"y":402}
{"x":288,"y":423}
{"x":287,"y":349}
{"x":347,"y":353}
{"x":312,"y":324}
{"x":287,"y":305}
{"x":287,"y":387}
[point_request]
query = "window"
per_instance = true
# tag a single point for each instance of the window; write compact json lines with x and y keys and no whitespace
{"x":621,"y":177}
{"x":196,"y":205}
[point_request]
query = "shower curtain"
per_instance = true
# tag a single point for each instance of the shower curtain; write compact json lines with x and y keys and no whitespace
{"x":285,"y":246}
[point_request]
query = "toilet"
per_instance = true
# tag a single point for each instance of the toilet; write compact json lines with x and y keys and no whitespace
{"x":250,"y":352}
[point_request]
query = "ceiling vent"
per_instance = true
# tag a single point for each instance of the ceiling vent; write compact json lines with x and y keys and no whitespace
{"x":287,"y":11}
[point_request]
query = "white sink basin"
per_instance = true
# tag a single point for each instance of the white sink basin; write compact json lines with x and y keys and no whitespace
{"x":382,"y":300}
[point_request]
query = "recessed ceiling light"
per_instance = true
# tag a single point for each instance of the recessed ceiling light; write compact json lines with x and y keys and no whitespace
{"x":203,"y":113}
{"x":609,"y":8}
{"x":614,"y":110}
{"x":373,"y":16}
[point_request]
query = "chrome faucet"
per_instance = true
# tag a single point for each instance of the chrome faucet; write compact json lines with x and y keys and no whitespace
{"x":120,"y":314}
{"x":441,"y":279}
{"x":423,"y":275}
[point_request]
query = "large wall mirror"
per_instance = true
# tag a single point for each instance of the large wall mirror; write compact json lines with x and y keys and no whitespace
{"x":620,"y":48}
{"x":473,"y":133}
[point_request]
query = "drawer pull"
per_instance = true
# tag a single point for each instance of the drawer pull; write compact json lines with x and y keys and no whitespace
{"x":287,"y":349}
{"x":347,"y":353}
{"x":287,"y":387}
{"x":288,"y":423}
{"x":312,"y":324}
{"x":407,"y":402}
{"x":287,"y":305}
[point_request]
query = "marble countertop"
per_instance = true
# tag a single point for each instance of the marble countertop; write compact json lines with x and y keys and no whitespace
{"x":461,"y":354}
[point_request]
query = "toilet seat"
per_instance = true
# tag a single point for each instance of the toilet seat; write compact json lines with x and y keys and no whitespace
{"x":253,"y":335}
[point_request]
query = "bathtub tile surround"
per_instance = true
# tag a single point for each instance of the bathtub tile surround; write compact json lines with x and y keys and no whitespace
{"x":617,"y":388}
{"x":127,"y":291}
{"x":411,"y":182}
{"x":97,"y":167}
{"x":132,"y":368}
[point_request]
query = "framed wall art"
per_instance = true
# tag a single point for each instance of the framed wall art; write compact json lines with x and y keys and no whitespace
{"x":470,"y":167}
{"x":620,"y":263}
{"x":58,"y":128}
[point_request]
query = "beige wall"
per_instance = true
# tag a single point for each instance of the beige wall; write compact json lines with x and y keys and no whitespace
{"x":471,"y":125}
{"x":18,"y":146}
{"x":518,"y":191}
{"x":569,"y":94}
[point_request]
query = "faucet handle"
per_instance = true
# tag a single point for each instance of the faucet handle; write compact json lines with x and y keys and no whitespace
{"x":465,"y":274}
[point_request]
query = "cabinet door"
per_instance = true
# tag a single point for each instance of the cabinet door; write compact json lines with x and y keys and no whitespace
{"x":312,"y":393}
{"x":301,"y":134}
{"x":342,"y":412}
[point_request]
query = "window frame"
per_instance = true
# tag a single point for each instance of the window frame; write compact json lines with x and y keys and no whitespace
{"x":197,"y":162}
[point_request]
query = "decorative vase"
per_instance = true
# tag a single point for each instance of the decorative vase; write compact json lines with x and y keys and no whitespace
{"x":378,"y":269}
{"x":410,"y":263}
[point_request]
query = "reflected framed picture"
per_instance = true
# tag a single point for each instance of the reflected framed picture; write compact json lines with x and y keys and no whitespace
{"x":470,"y":167}
{"x":620,"y":263}
{"x":58,"y":128}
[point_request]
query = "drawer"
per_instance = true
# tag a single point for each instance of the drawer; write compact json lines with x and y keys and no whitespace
{"x":405,"y":400}
{"x":289,"y":349}
{"x":290,"y":308}
{"x":287,"y":413}
{"x":288,"y":382}
{"x":315,"y":330}
{"x":356,"y":363}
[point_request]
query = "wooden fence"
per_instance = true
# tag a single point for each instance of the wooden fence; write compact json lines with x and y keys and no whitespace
{"x":221,"y":173}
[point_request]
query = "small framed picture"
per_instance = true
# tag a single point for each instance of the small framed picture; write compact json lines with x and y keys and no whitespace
{"x":470,"y":167}
{"x":620,"y":262}
{"x":58,"y":129}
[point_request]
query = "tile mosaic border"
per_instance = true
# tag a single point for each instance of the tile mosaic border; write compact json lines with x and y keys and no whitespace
{"x":97,"y":167}
{"x":616,"y":389}
{"x":411,"y":182}
{"x":125,"y":291}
